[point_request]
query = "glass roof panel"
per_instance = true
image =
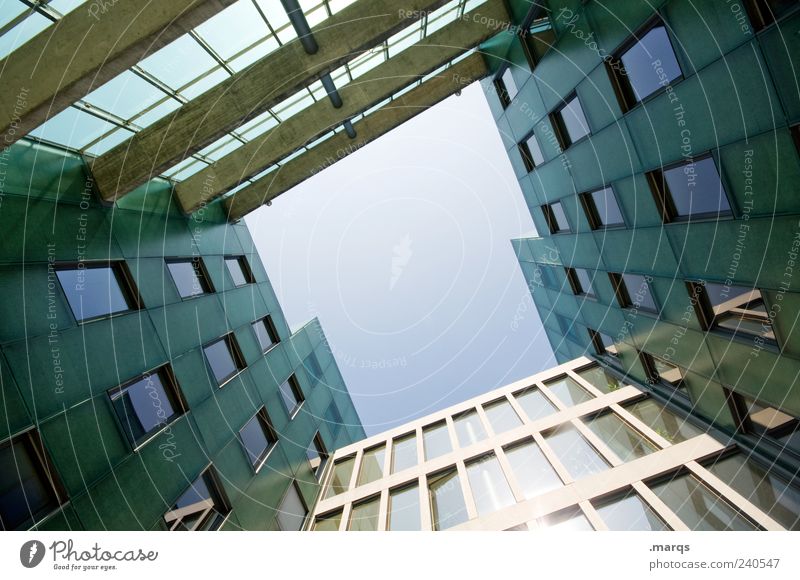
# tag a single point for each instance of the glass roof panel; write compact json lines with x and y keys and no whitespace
{"x":157,"y":112}
{"x":72,"y":128}
{"x":257,"y":125}
{"x":221,"y":147}
{"x":65,"y":6}
{"x":405,"y":38}
{"x":337,"y":5}
{"x":274,"y":12}
{"x":207,"y":82}
{"x":22,"y":32}
{"x":125,"y":95}
{"x":260,"y":50}
{"x":190,"y":170}
{"x":367,"y":62}
{"x":293,"y":105}
{"x":234,"y":29}
{"x":179,"y":62}
{"x":442,"y":17}
{"x":9,"y":10}
{"x":109,"y":142}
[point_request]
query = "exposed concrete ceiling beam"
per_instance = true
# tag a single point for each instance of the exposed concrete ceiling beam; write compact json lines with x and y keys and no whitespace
{"x":262,"y":85}
{"x":370,"y":128}
{"x":375,"y":86}
{"x":86,"y":48}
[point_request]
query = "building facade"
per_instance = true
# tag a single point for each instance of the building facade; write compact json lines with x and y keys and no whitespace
{"x":656,"y":144}
{"x":149,"y":379}
{"x":573,"y":448}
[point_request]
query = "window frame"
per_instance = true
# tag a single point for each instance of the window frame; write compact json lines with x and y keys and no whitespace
{"x":552,"y":221}
{"x":319,"y":470}
{"x":746,"y":425}
{"x":648,"y":361}
{"x":122,"y":275}
{"x":247,"y":272}
{"x":216,"y":489}
{"x":577,"y":286}
{"x":271,"y":332}
{"x":527,"y":155}
{"x":307,"y":517}
{"x":559,"y":126}
{"x":262,"y":416}
{"x":235,"y":352}
{"x":623,"y":294}
{"x":760,"y":18}
{"x":593,"y":215}
{"x":596,"y":338}
{"x":200,"y":270}
{"x":501,"y":89}
{"x":294,"y":385}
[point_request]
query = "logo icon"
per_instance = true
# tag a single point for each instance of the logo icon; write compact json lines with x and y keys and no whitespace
{"x":31,"y":553}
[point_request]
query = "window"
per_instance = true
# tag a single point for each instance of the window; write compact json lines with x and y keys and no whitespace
{"x":147,"y":404}
{"x":534,"y":473}
{"x":404,"y":452}
{"x":538,"y":39}
{"x":600,"y":379}
{"x":644,"y":65}
{"x":633,"y":291}
{"x":534,"y":403}
{"x":734,"y":309}
{"x":580,"y":281}
{"x":203,"y":506}
{"x":764,"y":12}
{"x":436,"y":440}
{"x":447,"y":501}
{"x":490,"y":489}
{"x":568,"y":391}
{"x":630,"y":513}
{"x":659,"y":370}
{"x":328,"y":522}
{"x":291,"y":395}
{"x":602,"y":209}
{"x":372,"y":463}
{"x":190,"y":277}
{"x":502,"y":416}
{"x":239,"y":270}
{"x":292,"y":510}
{"x":568,"y":520}
{"x":317,"y":456}
{"x":570,"y":122}
{"x":311,"y":364}
{"x":97,"y":290}
{"x":579,"y":458}
{"x":765,"y":420}
{"x":662,"y":421}
{"x":469,"y":428}
{"x":364,"y":516}
{"x":531,"y":152}
{"x":265,"y":333}
{"x":556,"y":218}
{"x":698,"y":506}
{"x":688,"y":190}
{"x":506,"y":87}
{"x":29,"y":489}
{"x":404,"y":509}
{"x":621,"y":438}
{"x":340,"y":478}
{"x":604,"y":344}
{"x":258,"y":438}
{"x":224,"y":358}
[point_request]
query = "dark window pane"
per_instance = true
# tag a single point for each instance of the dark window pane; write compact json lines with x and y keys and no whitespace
{"x":648,"y":60}
{"x":198,"y":508}
{"x":317,"y":456}
{"x":237,"y":271}
{"x":560,"y":218}
{"x":573,"y":120}
{"x":312,"y":367}
{"x":599,"y":378}
{"x":290,"y":394}
{"x":696,"y":188}
{"x":585,"y":281}
{"x":334,"y":419}
{"x":548,"y":277}
{"x":639,"y":292}
{"x":188,"y":277}
{"x":739,"y":309}
{"x":256,"y":439}
{"x":25,"y":492}
{"x":220,"y":359}
{"x":264,"y":333}
{"x":606,"y":207}
{"x":143,"y":407}
{"x":93,"y":291}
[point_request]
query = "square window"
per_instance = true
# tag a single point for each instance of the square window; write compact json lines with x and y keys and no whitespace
{"x":292,"y":396}
{"x":531,"y":469}
{"x":600,"y":379}
{"x":265,"y":333}
{"x":317,"y":456}
{"x":436,"y":440}
{"x":147,"y":404}
{"x":98,"y":290}
{"x":556,"y":218}
{"x":627,"y":443}
{"x":568,"y":391}
{"x":570,"y":122}
{"x":239,"y":270}
{"x":364,"y":515}
{"x":328,"y":522}
{"x":634,"y":71}
{"x":292,"y":511}
{"x":203,"y":506}
{"x":258,"y":438}
{"x":29,"y":489}
{"x":531,"y":152}
{"x":633,"y":291}
{"x":190,"y":277}
{"x":737,"y":310}
{"x":689,"y":190}
{"x":581,"y":282}
{"x":534,"y":403}
{"x":602,"y":209}
{"x":224,"y":358}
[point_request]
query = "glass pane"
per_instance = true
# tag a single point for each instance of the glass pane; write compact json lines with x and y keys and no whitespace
{"x":92,"y":292}
{"x":263,"y":334}
{"x":125,"y":95}
{"x":585,"y":281}
{"x":72,"y":128}
{"x":241,"y":17}
{"x":179,"y":62}
{"x":765,"y":490}
{"x":700,"y":178}
{"x":289,"y":397}
{"x":372,"y":464}
{"x":627,"y":443}
{"x":236,"y":271}
{"x":699,"y":507}
{"x":447,"y":501}
{"x":568,"y":391}
{"x":578,"y":457}
{"x":143,"y":407}
{"x":404,"y":509}
{"x":198,"y":508}
{"x":188,"y":277}
{"x":291,"y":512}
{"x":643,"y":76}
{"x":600,"y":379}
{"x":534,"y":473}
{"x":535,"y":404}
{"x":311,"y":364}
{"x":328,"y":523}
{"x":662,"y":421}
{"x":639,"y":291}
{"x":340,"y":479}
{"x":364,"y":517}
{"x":502,"y":416}
{"x":220,"y":360}
{"x":404,"y":453}
{"x":605,"y":204}
{"x":560,"y":217}
{"x":574,"y":120}
{"x":535,"y":150}
{"x":489,"y":486}
{"x":631,"y":514}
{"x":24,"y":491}
{"x":436,"y":440}
{"x":571,"y":522}
{"x":469,"y":428}
{"x":509,"y":84}
{"x":255,"y":440}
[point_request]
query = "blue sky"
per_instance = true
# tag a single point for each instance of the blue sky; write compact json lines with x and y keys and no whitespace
{"x":402,"y":250}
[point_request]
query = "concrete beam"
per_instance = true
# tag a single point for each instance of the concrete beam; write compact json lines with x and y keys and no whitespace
{"x":370,"y":128}
{"x":86,"y":48}
{"x":250,"y":92}
{"x":375,"y":86}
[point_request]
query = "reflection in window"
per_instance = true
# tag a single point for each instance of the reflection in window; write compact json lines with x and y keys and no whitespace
{"x":189,"y":276}
{"x":258,"y":438}
{"x":340,"y":478}
{"x":502,"y":416}
{"x":765,"y":420}
{"x":95,"y":290}
{"x":292,"y":511}
{"x":404,"y":509}
{"x":447,"y":501}
{"x":633,"y":291}
{"x":623,"y":440}
{"x":604,"y":345}
{"x":631,"y":514}
{"x":581,"y":282}
{"x":372,"y":463}
{"x":578,"y":457}
{"x":570,"y":520}
{"x":534,"y":403}
{"x":265,"y":333}
{"x":568,"y":391}
{"x":223,"y":358}
{"x":737,"y":309}
{"x":404,"y":452}
{"x":317,"y":456}
{"x":364,"y":516}
{"x":506,"y":87}
{"x":328,"y":523}
{"x":490,"y":489}
{"x":201,"y":507}
{"x":570,"y":122}
{"x":469,"y":428}
{"x":665,"y":372}
{"x":534,"y":473}
{"x":698,"y":506}
{"x":555,"y":217}
{"x":239,"y":270}
{"x":662,"y":421}
{"x":531,"y":152}
{"x":764,"y":489}
{"x":690,"y":189}
{"x":291,"y":395}
{"x":436,"y":440}
{"x":602,"y":209}
{"x":600,"y":379}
